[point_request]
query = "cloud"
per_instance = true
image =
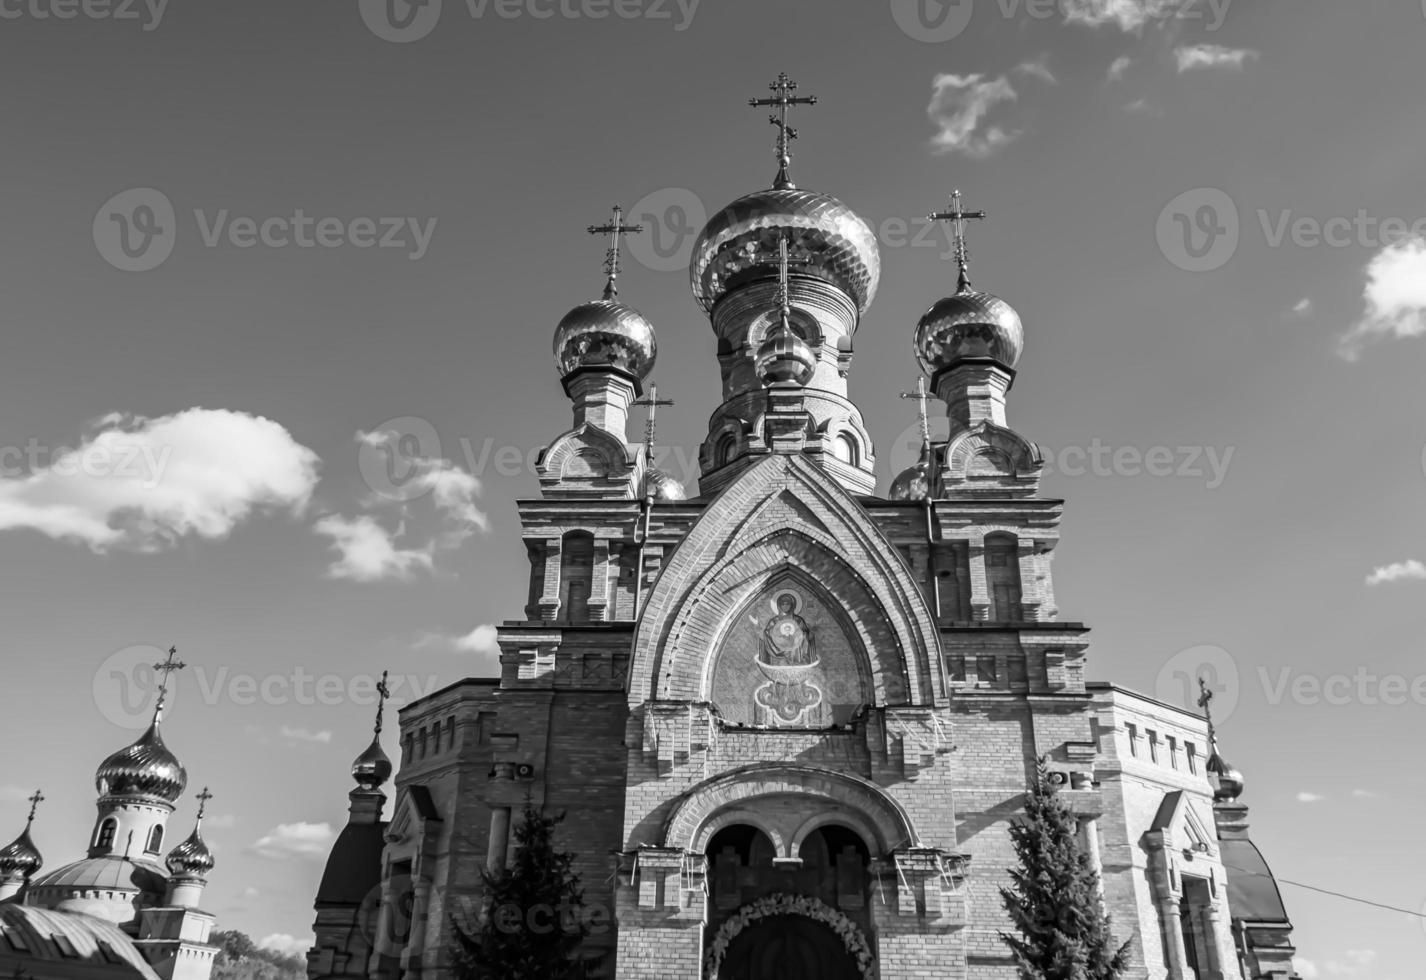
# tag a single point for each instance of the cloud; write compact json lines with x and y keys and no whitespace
{"x":480,"y":642}
{"x":1141,"y":107}
{"x":144,"y":484}
{"x":1129,"y":16}
{"x":1399,"y":571}
{"x":281,"y":942}
{"x":1395,"y":297}
{"x":1305,"y":968}
{"x":303,"y":735}
{"x":1118,"y":67}
{"x":959,"y":105}
{"x":367,"y":552}
{"x":1303,"y":307}
{"x":1038,"y":68}
{"x":1364,"y":794}
{"x":251,"y":892}
{"x":1356,"y":963}
{"x":1309,"y":798}
{"x":288,"y":840}
{"x":1201,"y":57}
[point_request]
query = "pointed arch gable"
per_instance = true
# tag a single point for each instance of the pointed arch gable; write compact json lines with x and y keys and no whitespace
{"x":785,"y":511}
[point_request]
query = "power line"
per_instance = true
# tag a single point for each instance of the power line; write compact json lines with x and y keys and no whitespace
{"x":1328,"y":891}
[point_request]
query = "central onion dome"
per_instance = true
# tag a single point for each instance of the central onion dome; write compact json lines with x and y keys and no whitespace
{"x":372,"y":768}
{"x":605,"y":333}
{"x":969,"y":324}
{"x":827,"y":240}
{"x":145,"y":768}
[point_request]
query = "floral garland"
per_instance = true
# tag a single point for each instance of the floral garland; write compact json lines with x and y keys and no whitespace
{"x":783,"y":904}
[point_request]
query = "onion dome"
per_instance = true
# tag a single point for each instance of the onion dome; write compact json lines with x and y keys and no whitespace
{"x":968,"y":324}
{"x":20,"y":856}
{"x":372,"y":768}
{"x":827,"y":240}
{"x":608,"y":334}
{"x":659,"y":485}
{"x":1230,"y":781}
{"x":145,"y":768}
{"x":914,"y":482}
{"x":783,"y":357}
{"x":190,"y":857}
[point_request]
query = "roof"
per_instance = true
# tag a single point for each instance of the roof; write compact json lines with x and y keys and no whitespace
{"x":1252,"y":891}
{"x":68,"y":939}
{"x":354,"y":866}
{"x":110,"y":872}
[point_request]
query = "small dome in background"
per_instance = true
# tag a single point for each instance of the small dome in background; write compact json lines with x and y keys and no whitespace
{"x":1230,"y":780}
{"x":20,"y":856}
{"x":968,"y":324}
{"x":372,"y":768}
{"x":190,"y":857}
{"x":605,"y":333}
{"x":659,"y":485}
{"x":915,"y":482}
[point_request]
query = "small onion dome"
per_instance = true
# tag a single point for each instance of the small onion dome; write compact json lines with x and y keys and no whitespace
{"x":605,"y":333}
{"x":1230,"y":780}
{"x":827,"y":240}
{"x":20,"y":856}
{"x":968,"y":324}
{"x":784,"y":357}
{"x":659,"y":485}
{"x":914,"y":482}
{"x":145,"y":768}
{"x":190,"y":857}
{"x":372,"y":768}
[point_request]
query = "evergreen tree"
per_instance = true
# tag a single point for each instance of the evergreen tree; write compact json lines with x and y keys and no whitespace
{"x":1054,"y":902}
{"x":533,"y":920}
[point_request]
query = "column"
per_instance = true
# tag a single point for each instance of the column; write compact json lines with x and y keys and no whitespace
{"x":499,"y":842}
{"x":550,"y":600}
{"x":1089,"y":840}
{"x":979,"y":589}
{"x":1172,"y":930}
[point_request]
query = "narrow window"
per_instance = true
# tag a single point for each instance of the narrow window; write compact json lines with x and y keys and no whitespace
{"x":1173,"y":750}
{"x":1153,"y":744}
{"x":107,"y":830}
{"x":1002,"y":576}
{"x":1133,"y":731}
{"x":155,"y":840}
{"x":1192,"y":754}
{"x":576,"y":576}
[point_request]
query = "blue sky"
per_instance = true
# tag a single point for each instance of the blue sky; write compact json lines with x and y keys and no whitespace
{"x":237,"y":236}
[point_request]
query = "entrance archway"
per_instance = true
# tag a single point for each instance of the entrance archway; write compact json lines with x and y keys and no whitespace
{"x":789,"y":937}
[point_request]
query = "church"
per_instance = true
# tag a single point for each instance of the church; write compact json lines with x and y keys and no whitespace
{"x":117,"y":912}
{"x":792,"y":717}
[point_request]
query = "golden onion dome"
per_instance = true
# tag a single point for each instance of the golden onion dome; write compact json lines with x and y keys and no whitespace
{"x":965,"y":325}
{"x":605,"y":333}
{"x":190,"y":856}
{"x":783,"y":357}
{"x":20,"y":856}
{"x":146,"y":768}
{"x":659,"y":485}
{"x":915,"y":482}
{"x":826,"y":239}
{"x":372,"y":768}
{"x":1230,"y":780}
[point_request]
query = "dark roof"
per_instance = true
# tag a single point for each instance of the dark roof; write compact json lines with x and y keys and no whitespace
{"x":1252,"y":891}
{"x":354,"y":866}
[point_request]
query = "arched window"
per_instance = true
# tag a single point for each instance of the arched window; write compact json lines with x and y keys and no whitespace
{"x":107,"y":830}
{"x":576,"y":576}
{"x":1002,"y":577}
{"x":155,"y":840}
{"x":844,"y":447}
{"x":727,"y":445}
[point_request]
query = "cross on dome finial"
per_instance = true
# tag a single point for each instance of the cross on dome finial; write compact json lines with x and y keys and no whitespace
{"x":169,"y":665}
{"x":652,"y":402}
{"x":920,"y":395}
{"x":203,"y":799}
{"x":614,"y":229}
{"x":382,"y":693}
{"x":35,"y":799}
{"x":1205,"y":698}
{"x":960,"y":216}
{"x":783,"y":99}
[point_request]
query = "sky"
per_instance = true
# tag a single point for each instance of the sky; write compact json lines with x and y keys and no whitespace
{"x":249,"y":248}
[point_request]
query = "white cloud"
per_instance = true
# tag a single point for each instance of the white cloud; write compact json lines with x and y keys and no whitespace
{"x":1305,"y":968}
{"x":959,"y":105}
{"x":1356,"y":963}
{"x":1200,"y":57}
{"x":1395,"y":297}
{"x":1129,"y":16}
{"x":281,"y":942}
{"x":1303,"y":307}
{"x":367,"y":552}
{"x":303,"y":735}
{"x":144,"y":484}
{"x":251,"y":892}
{"x":1119,"y":66}
{"x":1142,"y":107}
{"x":1400,"y":571}
{"x":1364,"y":794}
{"x":1309,"y":798}
{"x":287,"y":840}
{"x":1038,"y":68}
{"x":480,"y":642}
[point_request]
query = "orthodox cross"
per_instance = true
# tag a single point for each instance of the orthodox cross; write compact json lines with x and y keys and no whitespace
{"x":920,"y":395}
{"x":613,"y":229}
{"x":782,"y":100}
{"x":382,"y":693}
{"x":960,"y":216}
{"x":35,"y":800}
{"x":653,"y":401}
{"x":168,"y":666}
{"x":202,"y":799}
{"x":1205,"y":698}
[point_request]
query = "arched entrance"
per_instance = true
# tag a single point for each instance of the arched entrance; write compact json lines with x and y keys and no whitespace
{"x":788,"y":937}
